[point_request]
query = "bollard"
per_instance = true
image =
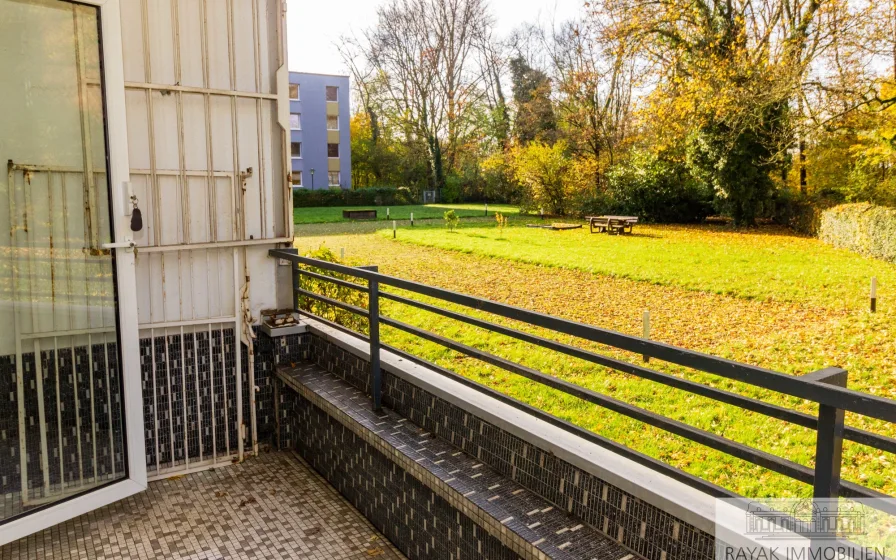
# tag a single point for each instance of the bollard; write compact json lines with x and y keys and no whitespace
{"x":342,"y":253}
{"x":873,"y":294}
{"x":486,"y":208}
{"x":387,"y":213}
{"x":646,"y":321}
{"x":412,"y":219}
{"x":393,"y":229}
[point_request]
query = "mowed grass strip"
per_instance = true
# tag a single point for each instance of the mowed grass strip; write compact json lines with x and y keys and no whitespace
{"x":785,"y":336}
{"x":765,"y":264}
{"x":319,"y":215}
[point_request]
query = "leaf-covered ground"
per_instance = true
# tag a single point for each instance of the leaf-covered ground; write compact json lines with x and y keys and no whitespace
{"x":792,"y":329}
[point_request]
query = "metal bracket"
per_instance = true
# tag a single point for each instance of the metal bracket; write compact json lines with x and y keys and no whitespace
{"x":129,"y":244}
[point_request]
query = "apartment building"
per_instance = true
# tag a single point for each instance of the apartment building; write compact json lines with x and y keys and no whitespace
{"x":320,"y":143}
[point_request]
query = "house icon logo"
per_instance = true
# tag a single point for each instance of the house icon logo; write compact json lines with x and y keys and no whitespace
{"x":815,"y":519}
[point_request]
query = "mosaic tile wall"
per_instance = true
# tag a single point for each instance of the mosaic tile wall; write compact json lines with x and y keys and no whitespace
{"x":269,"y":353}
{"x":419,"y":522}
{"x":189,"y":393}
{"x":78,"y":398}
{"x":640,"y":526}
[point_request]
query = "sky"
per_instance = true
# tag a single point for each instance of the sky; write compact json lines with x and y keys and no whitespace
{"x":314,"y":26}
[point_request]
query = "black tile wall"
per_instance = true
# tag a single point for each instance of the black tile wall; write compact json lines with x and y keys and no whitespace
{"x":420,"y":523}
{"x":640,"y":526}
{"x":76,"y":398}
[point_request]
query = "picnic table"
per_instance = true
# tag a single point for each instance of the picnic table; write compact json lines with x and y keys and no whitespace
{"x":612,"y":224}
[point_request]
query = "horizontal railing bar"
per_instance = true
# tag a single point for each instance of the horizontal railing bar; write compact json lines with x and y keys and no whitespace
{"x":853,"y":434}
{"x":338,"y":281}
{"x":846,"y":399}
{"x":334,"y":302}
{"x":719,"y":443}
{"x":848,"y":489}
{"x":883,"y":502}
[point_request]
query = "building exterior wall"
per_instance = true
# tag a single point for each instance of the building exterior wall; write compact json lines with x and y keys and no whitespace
{"x":313,"y":108}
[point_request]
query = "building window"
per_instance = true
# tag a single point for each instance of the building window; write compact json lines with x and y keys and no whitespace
{"x":332,"y":123}
{"x":296,"y":149}
{"x":295,"y":121}
{"x":333,"y":150}
{"x":332,"y":93}
{"x":334,"y":178}
{"x":294,"y":92}
{"x":296,"y":178}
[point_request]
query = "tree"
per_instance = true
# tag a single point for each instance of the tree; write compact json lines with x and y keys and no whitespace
{"x":543,"y":170}
{"x":532,"y":98}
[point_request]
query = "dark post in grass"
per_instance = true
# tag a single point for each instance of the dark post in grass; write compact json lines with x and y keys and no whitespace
{"x":828,"y":451}
{"x":373,"y":310}
{"x":873,"y":294}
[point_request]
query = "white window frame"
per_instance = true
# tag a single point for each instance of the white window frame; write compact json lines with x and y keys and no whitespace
{"x":298,"y":96}
{"x":132,"y":393}
{"x":337,"y":94}
{"x":290,"y":150}
{"x":301,"y":184}
{"x":338,"y":182}
{"x":328,"y":122}
{"x":338,"y":148}
{"x":299,"y":115}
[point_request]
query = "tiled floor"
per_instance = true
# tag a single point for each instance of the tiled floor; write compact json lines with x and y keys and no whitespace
{"x":273,"y":506}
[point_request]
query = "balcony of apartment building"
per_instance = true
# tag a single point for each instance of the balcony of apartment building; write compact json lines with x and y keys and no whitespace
{"x":179,"y":383}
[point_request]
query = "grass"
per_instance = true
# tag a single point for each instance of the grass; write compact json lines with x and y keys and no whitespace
{"x":319,"y":215}
{"x":768,"y":264}
{"x":749,"y":296}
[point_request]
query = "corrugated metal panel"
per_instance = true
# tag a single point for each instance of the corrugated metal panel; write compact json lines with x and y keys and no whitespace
{"x":207,"y":158}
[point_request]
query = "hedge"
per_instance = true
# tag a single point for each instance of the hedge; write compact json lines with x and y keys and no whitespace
{"x":374,"y":196}
{"x":863,"y":228}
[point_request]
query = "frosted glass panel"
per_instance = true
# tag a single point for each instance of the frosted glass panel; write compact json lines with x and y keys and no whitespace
{"x":60,"y":385}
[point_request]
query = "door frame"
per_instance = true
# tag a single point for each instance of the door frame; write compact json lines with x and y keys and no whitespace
{"x":125,"y":259}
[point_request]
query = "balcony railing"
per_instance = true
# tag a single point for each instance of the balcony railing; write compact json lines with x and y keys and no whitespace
{"x":827,"y":387}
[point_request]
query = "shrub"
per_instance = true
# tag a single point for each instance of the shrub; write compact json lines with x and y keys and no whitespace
{"x":862,"y":228}
{"x":372,"y":196}
{"x":542,"y":170}
{"x":333,"y":291}
{"x":655,"y":190}
{"x":451,"y":219}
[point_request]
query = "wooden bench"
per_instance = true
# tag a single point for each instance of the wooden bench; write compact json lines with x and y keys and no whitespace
{"x":359,"y":214}
{"x":612,"y":224}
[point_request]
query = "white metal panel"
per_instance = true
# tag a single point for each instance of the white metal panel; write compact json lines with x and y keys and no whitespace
{"x":249,"y":148}
{"x":132,"y":41}
{"x":189,"y":16}
{"x":199,"y":206}
{"x":141,"y":185}
{"x":244,"y":44}
{"x":166,"y":136}
{"x":269,"y":47}
{"x":170,"y":210}
{"x":195,"y":133}
{"x":160,"y":24}
{"x":138,"y":128}
{"x":225,"y":211}
{"x":218,"y":45}
{"x":221,"y":110}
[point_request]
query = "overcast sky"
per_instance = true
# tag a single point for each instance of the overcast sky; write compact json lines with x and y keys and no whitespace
{"x":315,"y":25}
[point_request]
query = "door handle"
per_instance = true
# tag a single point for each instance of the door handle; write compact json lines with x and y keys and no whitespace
{"x":120,"y":245}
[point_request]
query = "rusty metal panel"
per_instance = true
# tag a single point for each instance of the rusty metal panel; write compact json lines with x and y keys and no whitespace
{"x":245,"y":45}
{"x":160,"y":26}
{"x":132,"y":41}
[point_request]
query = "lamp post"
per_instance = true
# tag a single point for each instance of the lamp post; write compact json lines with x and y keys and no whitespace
{"x":312,"y":178}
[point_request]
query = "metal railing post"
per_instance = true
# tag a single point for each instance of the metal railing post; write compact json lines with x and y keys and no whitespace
{"x":373,"y":311}
{"x":829,"y":441}
{"x":828,"y":460}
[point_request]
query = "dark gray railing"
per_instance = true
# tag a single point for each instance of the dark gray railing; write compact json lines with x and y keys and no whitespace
{"x":826,"y":387}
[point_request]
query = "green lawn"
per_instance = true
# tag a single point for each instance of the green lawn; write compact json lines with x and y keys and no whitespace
{"x":768,"y":264}
{"x":318,"y":215}
{"x":765,"y":297}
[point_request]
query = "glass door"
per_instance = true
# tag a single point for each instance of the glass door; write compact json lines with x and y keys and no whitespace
{"x":62,"y":421}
